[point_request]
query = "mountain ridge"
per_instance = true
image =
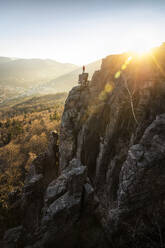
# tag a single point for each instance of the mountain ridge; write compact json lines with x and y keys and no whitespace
{"x":27,"y":72}
{"x":62,"y":83}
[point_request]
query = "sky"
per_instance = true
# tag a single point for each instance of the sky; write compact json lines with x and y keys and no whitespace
{"x":79,"y":32}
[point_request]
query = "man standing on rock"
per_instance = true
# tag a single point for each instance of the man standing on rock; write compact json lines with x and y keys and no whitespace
{"x":83,"y":68}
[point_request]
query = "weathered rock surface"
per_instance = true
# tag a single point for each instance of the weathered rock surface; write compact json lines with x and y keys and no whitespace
{"x":110,"y":188}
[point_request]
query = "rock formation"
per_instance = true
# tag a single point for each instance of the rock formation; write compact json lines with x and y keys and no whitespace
{"x":109,"y":190}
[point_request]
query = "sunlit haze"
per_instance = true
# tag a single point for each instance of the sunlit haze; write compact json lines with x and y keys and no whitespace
{"x":79,"y":32}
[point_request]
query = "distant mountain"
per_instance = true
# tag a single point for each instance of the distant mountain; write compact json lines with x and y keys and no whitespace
{"x":31,"y":72}
{"x":29,"y":77}
{"x":67,"y":81}
{"x":4,"y":59}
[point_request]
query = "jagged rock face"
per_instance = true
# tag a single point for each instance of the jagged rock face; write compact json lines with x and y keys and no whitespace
{"x":64,"y":219}
{"x":146,"y":158}
{"x":71,"y":123}
{"x":101,"y":135}
{"x":118,"y":134}
{"x":110,"y":188}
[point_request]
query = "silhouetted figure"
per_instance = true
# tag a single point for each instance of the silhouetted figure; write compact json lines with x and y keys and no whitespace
{"x":83,"y":78}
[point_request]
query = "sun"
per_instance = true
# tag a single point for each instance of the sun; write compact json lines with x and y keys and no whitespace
{"x":141,"y":51}
{"x":142,"y":42}
{"x":142,"y":48}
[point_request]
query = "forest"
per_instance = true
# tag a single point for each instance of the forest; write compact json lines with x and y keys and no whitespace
{"x":24,"y":134}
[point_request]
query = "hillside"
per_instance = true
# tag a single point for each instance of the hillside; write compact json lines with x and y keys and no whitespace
{"x":5,"y":59}
{"x":21,"y":78}
{"x":30,"y":72}
{"x":26,"y":105}
{"x":25,"y":130}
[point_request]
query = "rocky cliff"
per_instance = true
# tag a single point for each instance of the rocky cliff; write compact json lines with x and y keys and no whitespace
{"x":108,"y":189}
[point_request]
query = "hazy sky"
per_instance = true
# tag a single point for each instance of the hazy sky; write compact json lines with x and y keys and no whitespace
{"x":78,"y":31}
